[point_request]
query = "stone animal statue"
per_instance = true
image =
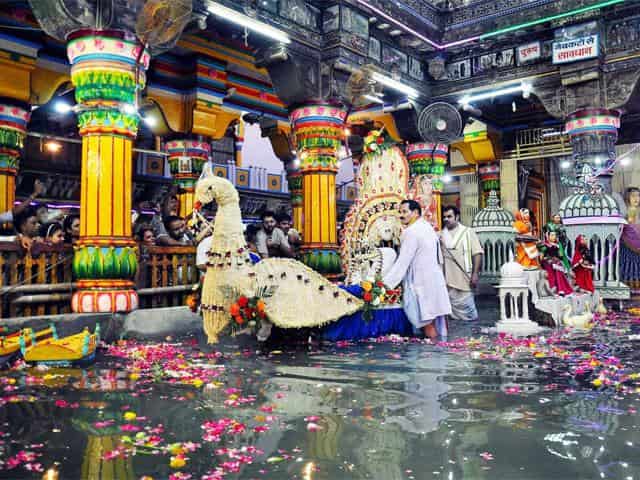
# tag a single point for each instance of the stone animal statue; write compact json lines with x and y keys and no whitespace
{"x":301,"y":297}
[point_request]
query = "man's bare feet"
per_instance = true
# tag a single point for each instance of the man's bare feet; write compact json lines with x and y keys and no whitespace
{"x":430,"y":331}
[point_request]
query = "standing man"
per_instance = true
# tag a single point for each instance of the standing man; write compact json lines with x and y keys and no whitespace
{"x":425,"y":294}
{"x":462,"y":262}
{"x":270,"y":240}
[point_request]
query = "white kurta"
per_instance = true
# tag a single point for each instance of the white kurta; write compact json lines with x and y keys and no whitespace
{"x":418,"y":267}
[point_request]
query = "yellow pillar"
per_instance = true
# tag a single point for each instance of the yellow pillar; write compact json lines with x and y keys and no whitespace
{"x":319,"y":132}
{"x":14,"y":116}
{"x":104,"y":73}
{"x":427,"y":162}
{"x":186,"y":159}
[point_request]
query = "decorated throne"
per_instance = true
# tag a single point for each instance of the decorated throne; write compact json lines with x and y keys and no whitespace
{"x":371,"y":238}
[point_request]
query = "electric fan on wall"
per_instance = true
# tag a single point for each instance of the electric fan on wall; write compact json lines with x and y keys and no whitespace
{"x":440,"y":122}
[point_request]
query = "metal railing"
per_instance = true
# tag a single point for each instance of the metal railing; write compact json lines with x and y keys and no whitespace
{"x":535,"y":143}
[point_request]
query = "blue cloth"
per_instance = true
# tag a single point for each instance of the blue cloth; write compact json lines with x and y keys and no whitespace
{"x":254,"y":258}
{"x":354,"y":327}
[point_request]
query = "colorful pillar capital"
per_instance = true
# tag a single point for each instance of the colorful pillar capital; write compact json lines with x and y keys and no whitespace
{"x":107,"y":69}
{"x":318,"y":130}
{"x":489,"y":175}
{"x":186,"y":160}
{"x":13,"y":130}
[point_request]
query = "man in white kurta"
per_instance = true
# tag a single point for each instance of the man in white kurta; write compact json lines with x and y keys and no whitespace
{"x":418,"y":266}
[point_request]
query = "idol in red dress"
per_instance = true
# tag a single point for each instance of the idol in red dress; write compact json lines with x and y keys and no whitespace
{"x":582,"y":265}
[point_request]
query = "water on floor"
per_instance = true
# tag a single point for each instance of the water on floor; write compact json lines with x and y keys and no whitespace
{"x":561,"y":406}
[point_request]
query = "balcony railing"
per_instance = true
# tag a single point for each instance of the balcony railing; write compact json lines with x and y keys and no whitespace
{"x":41,"y":282}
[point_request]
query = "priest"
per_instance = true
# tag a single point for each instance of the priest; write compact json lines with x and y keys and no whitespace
{"x":418,"y":267}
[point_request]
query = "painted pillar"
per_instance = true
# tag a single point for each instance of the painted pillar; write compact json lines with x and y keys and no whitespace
{"x":319,"y":131}
{"x":239,"y":142}
{"x":104,"y":75}
{"x":427,"y":162}
{"x":489,"y":175}
{"x":294,"y":179}
{"x":593,"y":133}
{"x":14,"y":117}
{"x":186,"y":159}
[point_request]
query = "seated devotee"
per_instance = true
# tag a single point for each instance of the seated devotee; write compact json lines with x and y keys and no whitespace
{"x":270,"y":240}
{"x":177,"y":231}
{"x":27,"y":226}
{"x":285,"y":223}
{"x":462,"y":262}
{"x":71,"y":227}
{"x":52,"y":234}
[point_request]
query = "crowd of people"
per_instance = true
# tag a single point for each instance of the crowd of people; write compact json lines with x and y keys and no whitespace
{"x":31,"y":224}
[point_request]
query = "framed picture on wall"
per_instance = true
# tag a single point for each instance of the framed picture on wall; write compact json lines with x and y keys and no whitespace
{"x":391,"y":57}
{"x":374,"y":48}
{"x":459,"y":70}
{"x":331,"y":19}
{"x":184,"y":165}
{"x":415,"y":69}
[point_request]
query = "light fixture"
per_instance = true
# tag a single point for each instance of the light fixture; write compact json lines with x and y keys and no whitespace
{"x":53,"y":146}
{"x":347,"y":132}
{"x":61,"y":106}
{"x":374,"y":99}
{"x":468,"y":99}
{"x":129,"y":109}
{"x":150,"y":121}
{"x":247,"y":22}
{"x":395,"y":32}
{"x":624,"y":161}
{"x":396,"y":85}
{"x":296,"y":162}
{"x":446,"y":178}
{"x":513,"y":106}
{"x":565,"y":164}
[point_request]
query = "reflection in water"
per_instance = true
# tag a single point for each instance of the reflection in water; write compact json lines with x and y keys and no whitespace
{"x":369,"y":411}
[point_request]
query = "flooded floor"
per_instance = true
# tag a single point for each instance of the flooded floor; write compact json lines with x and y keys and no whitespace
{"x":561,"y":406}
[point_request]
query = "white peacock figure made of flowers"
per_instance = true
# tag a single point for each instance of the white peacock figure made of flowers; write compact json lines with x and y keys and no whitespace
{"x":372,"y":228}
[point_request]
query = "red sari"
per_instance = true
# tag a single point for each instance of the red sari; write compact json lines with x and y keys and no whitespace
{"x":582,"y":265}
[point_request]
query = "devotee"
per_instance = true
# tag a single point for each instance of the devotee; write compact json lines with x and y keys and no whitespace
{"x":52,"y":234}
{"x":169,"y":209}
{"x":285,"y":223}
{"x":204,"y":245}
{"x":177,"y":231}
{"x":71,"y":228}
{"x":8,"y":216}
{"x":145,"y":236}
{"x":270,"y":240}
{"x":250,"y":236}
{"x":418,"y":267}
{"x":27,"y":226}
{"x":462,"y":262}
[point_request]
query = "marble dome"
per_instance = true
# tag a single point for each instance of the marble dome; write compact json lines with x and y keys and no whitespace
{"x":584,"y":205}
{"x":493,"y":215}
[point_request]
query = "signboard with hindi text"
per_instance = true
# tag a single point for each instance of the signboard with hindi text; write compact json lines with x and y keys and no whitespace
{"x":529,"y":52}
{"x":575,"y":50}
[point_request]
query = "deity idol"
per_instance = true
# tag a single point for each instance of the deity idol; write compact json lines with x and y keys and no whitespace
{"x":582,"y":265}
{"x":556,"y":264}
{"x":526,"y":243}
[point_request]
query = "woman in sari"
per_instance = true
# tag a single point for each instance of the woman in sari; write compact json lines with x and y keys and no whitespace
{"x":582,"y":265}
{"x":526,"y":243}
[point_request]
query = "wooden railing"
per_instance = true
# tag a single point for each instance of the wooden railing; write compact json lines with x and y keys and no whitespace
{"x":41,"y":282}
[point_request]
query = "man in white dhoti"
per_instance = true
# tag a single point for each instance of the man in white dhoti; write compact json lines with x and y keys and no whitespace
{"x":425,"y":296}
{"x":462,"y":261}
